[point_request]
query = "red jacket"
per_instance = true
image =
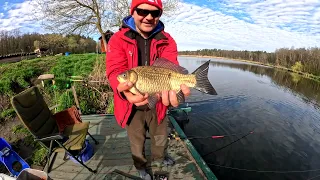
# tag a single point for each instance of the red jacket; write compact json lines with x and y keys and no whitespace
{"x":122,"y":54}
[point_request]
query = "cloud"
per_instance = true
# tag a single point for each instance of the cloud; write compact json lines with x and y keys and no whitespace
{"x":298,"y":15}
{"x":20,"y":15}
{"x":7,"y":6}
{"x":229,"y":24}
{"x":265,"y":25}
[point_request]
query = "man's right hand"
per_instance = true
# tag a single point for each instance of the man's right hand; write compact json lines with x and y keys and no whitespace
{"x":137,"y":99}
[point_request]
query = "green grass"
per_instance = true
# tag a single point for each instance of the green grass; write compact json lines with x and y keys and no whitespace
{"x":74,"y":65}
{"x":40,"y":152}
{"x":110,"y":108}
{"x":6,"y":114}
{"x":16,"y":77}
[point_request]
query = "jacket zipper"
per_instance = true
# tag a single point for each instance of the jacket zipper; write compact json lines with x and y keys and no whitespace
{"x":145,"y":52}
{"x":155,"y":53}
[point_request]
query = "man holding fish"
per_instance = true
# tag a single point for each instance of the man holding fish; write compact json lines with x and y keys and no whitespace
{"x":143,"y":71}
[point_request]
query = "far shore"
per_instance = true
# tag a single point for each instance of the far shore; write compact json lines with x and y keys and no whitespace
{"x":304,"y":74}
{"x":226,"y":58}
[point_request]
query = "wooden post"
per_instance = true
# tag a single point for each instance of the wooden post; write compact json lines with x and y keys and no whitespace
{"x":76,"y":99}
{"x":46,"y":77}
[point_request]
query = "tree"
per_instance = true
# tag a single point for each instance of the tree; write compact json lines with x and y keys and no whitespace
{"x":86,"y":16}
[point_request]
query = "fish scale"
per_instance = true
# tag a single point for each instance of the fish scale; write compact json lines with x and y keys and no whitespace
{"x":154,"y":80}
{"x":165,"y":75}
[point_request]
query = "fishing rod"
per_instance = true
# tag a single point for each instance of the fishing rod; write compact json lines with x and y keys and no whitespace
{"x":264,"y":171}
{"x":251,"y":132}
{"x":176,"y":136}
{"x":269,"y":171}
{"x":215,"y":137}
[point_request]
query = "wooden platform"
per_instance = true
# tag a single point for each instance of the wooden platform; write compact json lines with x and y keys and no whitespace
{"x":113,"y":152}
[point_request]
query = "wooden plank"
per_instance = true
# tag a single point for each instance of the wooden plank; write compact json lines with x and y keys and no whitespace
{"x":62,"y":175}
{"x":107,"y":131}
{"x":96,"y":117}
{"x":114,"y":152}
{"x":203,"y":166}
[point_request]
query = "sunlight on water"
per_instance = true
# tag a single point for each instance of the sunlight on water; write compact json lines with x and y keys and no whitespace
{"x":281,"y":108}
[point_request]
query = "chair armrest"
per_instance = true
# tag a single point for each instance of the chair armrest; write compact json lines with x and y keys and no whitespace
{"x":50,"y":137}
{"x":53,"y":107}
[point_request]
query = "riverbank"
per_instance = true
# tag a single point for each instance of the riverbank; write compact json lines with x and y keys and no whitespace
{"x":304,"y":74}
{"x":72,"y":70}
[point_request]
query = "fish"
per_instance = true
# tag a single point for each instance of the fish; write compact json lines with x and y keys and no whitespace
{"x":166,"y":75}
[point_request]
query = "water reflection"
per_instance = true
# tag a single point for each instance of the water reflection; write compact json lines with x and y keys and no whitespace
{"x":281,"y":108}
{"x":298,"y":84}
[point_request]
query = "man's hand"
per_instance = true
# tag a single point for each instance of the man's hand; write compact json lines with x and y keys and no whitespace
{"x":170,"y":97}
{"x":136,"y":99}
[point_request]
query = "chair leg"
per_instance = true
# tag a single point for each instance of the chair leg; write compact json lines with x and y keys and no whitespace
{"x":95,"y":141}
{"x":48,"y":158}
{"x":93,"y":171}
{"x":52,"y":161}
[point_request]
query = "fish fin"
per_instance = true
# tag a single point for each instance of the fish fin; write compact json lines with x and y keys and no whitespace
{"x":180,"y":97}
{"x":164,"y":63}
{"x":134,"y":90}
{"x":152,"y":101}
{"x":203,"y":84}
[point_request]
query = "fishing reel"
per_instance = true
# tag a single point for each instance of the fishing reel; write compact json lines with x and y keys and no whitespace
{"x":161,"y":175}
{"x":173,"y":135}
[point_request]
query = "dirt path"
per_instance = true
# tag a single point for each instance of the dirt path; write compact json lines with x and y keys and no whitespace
{"x":6,"y":130}
{"x":16,"y":59}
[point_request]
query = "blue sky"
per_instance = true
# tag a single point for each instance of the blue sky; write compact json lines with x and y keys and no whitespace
{"x":224,"y":24}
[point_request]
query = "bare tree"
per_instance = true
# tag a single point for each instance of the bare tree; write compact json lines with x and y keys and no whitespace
{"x":86,"y":16}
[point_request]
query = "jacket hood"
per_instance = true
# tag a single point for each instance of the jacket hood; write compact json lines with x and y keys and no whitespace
{"x":129,"y":23}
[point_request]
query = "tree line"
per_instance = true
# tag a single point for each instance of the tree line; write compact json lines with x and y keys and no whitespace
{"x":13,"y":42}
{"x":292,"y":81}
{"x":301,"y":59}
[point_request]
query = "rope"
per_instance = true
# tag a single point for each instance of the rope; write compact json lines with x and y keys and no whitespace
{"x":313,"y":177}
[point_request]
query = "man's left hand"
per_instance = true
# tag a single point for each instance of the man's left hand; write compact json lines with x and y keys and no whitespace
{"x":170,"y":97}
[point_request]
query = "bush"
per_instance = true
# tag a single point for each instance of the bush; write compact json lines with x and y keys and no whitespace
{"x":297,"y":67}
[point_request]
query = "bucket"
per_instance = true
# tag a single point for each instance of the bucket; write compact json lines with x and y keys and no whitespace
{"x":85,"y":154}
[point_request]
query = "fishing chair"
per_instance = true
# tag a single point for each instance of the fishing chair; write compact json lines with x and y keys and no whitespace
{"x":34,"y":113}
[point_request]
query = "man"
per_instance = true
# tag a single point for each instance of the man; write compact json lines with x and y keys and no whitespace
{"x":140,"y":41}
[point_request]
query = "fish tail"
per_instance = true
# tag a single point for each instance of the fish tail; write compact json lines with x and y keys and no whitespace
{"x":203,"y":84}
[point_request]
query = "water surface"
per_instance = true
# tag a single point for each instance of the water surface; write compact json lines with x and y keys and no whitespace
{"x":280,"y":107}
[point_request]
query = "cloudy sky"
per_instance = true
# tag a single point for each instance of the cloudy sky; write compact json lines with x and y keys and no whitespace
{"x":224,"y":24}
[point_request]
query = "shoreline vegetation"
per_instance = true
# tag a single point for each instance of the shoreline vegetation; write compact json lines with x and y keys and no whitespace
{"x":292,"y":70}
{"x":85,"y":73}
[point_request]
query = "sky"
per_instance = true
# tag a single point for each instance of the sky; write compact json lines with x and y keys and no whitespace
{"x":252,"y":25}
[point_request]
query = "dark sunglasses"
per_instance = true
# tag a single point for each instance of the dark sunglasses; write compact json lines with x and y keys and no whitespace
{"x":145,"y":12}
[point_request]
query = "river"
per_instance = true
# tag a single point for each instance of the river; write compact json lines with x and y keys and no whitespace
{"x":280,"y":107}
